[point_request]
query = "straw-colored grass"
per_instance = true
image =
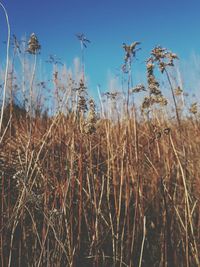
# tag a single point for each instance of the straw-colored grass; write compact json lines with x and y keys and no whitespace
{"x":82,"y":188}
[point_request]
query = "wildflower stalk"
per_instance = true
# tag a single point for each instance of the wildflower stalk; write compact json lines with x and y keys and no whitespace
{"x":7,"y":65}
{"x":82,"y":62}
{"x":130,"y":51}
{"x":11,"y":78}
{"x":33,"y":48}
{"x":83,"y":40}
{"x":31,"y":84}
{"x":174,"y":99}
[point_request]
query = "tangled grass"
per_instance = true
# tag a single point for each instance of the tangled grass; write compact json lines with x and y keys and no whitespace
{"x":126,"y":194}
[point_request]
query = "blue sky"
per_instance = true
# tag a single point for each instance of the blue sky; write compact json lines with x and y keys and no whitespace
{"x":172,"y":24}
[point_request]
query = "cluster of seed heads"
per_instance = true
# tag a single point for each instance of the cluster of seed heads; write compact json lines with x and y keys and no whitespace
{"x":82,"y":101}
{"x":33,"y":44}
{"x":178,"y":91}
{"x":82,"y":38}
{"x":163,"y":57}
{"x":90,"y":126}
{"x":138,"y":88}
{"x":82,"y":104}
{"x":130,"y":51}
{"x":111,"y":95}
{"x":153,"y":99}
{"x":155,"y":94}
{"x":160,"y":56}
{"x":153,"y":84}
{"x":193,"y":108}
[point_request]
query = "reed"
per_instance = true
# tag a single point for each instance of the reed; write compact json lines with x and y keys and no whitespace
{"x":87,"y":189}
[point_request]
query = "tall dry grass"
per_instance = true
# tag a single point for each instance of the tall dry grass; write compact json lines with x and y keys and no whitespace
{"x":70,"y":198}
{"x":79,"y":188}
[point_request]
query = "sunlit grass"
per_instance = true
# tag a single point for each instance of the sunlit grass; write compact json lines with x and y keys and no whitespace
{"x":80,"y":187}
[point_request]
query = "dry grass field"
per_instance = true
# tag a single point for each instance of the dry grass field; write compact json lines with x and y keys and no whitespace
{"x":93,"y":184}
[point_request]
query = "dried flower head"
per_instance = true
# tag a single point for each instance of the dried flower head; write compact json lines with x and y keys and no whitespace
{"x":33,"y":44}
{"x":82,"y":38}
{"x":154,"y":89}
{"x":153,"y":84}
{"x":160,"y":99}
{"x":147,"y":102}
{"x":90,"y":126}
{"x":193,"y":108}
{"x":130,"y":50}
{"x":111,"y":95}
{"x":178,"y":91}
{"x":150,"y":67}
{"x":82,"y":97}
{"x":158,"y":53}
{"x":81,"y":88}
{"x":163,"y":57}
{"x":154,"y":99}
{"x":82,"y":104}
{"x":138,"y":88}
{"x":162,"y":66}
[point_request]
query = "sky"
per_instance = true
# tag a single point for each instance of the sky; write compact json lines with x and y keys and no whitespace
{"x":107,"y":24}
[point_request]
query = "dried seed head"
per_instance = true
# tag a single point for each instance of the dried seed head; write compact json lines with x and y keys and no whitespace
{"x":82,"y":97}
{"x":111,"y":95}
{"x":163,"y":57}
{"x":130,"y":50}
{"x":146,"y":103}
{"x":193,"y":108}
{"x":82,"y":38}
{"x":82,"y":105}
{"x":138,"y":88}
{"x":150,"y":68}
{"x":162,"y":66}
{"x":160,"y":100}
{"x":153,"y":84}
{"x":154,"y":89}
{"x":154,"y":99}
{"x":158,"y":52}
{"x":33,"y":44}
{"x":178,"y":91}
{"x":90,"y":126}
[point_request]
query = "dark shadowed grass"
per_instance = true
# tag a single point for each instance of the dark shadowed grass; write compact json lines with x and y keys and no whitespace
{"x":74,"y":198}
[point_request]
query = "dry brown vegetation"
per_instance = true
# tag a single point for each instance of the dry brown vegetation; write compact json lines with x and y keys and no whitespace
{"x":70,"y":198}
{"x":78,"y":188}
